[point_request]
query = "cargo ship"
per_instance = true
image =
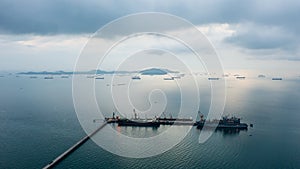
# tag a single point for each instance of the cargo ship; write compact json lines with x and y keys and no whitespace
{"x":138,"y":123}
{"x":225,"y":123}
{"x":176,"y":121}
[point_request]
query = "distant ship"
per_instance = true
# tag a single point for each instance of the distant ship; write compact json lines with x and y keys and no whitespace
{"x":136,"y":78}
{"x":276,"y":78}
{"x":48,"y":77}
{"x":225,"y":123}
{"x":261,"y":76}
{"x":121,"y":84}
{"x":32,"y":77}
{"x":176,"y":77}
{"x":99,"y":78}
{"x":90,"y":76}
{"x":64,"y":77}
{"x":213,"y":78}
{"x":241,"y":77}
{"x":169,"y":78}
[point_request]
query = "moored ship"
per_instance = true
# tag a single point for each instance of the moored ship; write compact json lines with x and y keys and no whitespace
{"x":138,"y":123}
{"x":225,"y":123}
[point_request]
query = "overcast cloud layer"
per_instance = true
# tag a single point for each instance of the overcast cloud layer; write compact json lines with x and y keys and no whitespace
{"x":71,"y":16}
{"x":259,"y":29}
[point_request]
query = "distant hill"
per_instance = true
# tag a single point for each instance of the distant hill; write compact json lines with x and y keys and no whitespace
{"x":152,"y":71}
{"x":67,"y":73}
{"x":46,"y":73}
{"x":156,"y":71}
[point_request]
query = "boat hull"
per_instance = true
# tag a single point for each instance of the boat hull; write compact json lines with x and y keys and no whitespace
{"x":137,"y":124}
{"x":240,"y":126}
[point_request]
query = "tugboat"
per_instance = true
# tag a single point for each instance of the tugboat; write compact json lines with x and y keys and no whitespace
{"x":225,"y":123}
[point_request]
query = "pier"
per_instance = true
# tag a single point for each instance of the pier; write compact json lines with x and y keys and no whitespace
{"x":74,"y":147}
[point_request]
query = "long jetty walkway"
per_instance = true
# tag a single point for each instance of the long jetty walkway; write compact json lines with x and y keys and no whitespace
{"x":73,"y":148}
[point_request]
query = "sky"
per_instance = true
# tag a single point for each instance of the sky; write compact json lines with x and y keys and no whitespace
{"x":261,"y":36}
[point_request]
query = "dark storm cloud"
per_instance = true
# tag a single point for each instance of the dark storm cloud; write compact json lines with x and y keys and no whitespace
{"x":264,"y":24}
{"x":72,"y":16}
{"x":54,"y":16}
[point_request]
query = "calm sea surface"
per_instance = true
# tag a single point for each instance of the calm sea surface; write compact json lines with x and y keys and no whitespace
{"x":38,"y":122}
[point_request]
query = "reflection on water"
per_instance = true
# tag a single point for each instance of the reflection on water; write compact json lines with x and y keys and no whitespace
{"x":36,"y":125}
{"x":227,"y":132}
{"x":230,"y":131}
{"x":137,"y":132}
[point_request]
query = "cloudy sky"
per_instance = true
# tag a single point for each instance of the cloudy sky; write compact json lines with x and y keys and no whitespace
{"x":260,"y":36}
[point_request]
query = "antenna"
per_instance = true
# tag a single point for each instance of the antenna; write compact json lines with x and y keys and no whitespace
{"x":164,"y":114}
{"x":135,"y":115}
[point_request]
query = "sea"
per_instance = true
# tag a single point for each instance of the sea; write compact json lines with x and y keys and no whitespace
{"x":38,"y":122}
